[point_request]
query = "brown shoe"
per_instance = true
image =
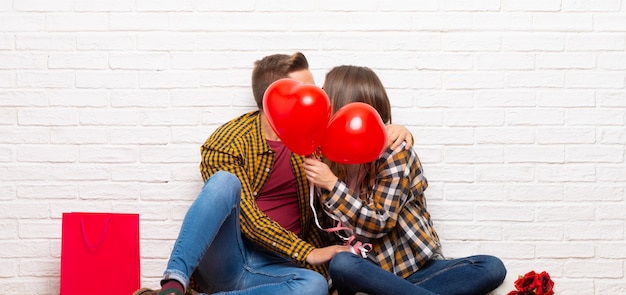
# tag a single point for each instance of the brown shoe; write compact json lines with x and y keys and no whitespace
{"x":146,"y":291}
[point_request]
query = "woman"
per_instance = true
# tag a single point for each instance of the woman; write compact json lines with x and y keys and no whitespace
{"x":383,"y":204}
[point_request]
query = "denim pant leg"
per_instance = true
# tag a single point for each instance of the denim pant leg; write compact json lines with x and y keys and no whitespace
{"x":263,"y":273}
{"x":268,"y":273}
{"x":477,"y":275}
{"x":352,"y":273}
{"x":217,"y":203}
{"x":210,"y":243}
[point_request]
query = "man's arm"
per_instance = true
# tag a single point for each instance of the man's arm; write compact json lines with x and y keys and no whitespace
{"x":396,"y":135}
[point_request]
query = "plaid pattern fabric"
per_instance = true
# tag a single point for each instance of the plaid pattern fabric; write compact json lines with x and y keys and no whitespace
{"x":240,"y":147}
{"x":390,"y":212}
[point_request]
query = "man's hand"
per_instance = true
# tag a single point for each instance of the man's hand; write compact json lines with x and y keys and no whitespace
{"x":322,"y":255}
{"x":396,"y":134}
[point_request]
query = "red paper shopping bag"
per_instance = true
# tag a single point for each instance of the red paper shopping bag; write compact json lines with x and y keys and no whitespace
{"x":99,"y":254}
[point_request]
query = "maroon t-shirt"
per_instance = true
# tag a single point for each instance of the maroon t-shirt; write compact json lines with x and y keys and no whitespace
{"x":279,"y":197}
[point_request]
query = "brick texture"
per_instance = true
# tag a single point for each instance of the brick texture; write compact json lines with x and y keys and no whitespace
{"x":518,"y":108}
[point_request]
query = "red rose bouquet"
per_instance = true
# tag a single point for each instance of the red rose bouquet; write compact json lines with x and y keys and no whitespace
{"x":533,"y":284}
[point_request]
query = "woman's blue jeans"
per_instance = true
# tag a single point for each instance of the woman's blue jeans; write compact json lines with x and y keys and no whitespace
{"x":210,"y":243}
{"x":477,"y":275}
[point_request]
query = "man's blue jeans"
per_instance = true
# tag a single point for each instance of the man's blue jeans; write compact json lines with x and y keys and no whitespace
{"x":477,"y":275}
{"x":211,"y":244}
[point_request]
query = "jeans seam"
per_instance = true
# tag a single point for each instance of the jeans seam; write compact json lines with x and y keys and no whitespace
{"x":441,"y":271}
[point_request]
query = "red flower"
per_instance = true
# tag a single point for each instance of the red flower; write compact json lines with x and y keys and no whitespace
{"x":529,"y":282}
{"x":533,"y":284}
{"x":546,"y":284}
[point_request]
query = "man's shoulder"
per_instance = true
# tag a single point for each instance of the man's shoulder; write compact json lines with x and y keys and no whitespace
{"x":246,"y":120}
{"x":236,"y":128}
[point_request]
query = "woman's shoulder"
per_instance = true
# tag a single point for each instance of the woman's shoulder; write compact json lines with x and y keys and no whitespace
{"x":399,"y":156}
{"x":400,"y":150}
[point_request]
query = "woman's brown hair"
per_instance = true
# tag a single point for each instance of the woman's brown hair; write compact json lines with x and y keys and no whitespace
{"x":347,"y":84}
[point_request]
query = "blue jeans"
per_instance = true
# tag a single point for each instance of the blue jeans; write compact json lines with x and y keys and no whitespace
{"x":210,"y":243}
{"x":478,"y":275}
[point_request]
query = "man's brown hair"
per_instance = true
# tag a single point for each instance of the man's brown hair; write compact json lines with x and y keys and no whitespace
{"x":274,"y":67}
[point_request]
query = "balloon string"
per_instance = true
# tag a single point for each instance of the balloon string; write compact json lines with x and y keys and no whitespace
{"x":357,"y":248}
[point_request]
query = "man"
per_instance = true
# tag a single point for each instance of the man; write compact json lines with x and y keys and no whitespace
{"x":250,"y":229}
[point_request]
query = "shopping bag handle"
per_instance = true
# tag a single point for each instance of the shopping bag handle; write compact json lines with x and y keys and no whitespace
{"x":104,"y":231}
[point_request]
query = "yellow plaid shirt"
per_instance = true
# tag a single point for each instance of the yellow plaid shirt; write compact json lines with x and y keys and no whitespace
{"x":240,"y":147}
{"x":390,"y":212}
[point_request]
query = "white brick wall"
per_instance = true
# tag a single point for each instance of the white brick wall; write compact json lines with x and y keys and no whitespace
{"x":518,"y":109}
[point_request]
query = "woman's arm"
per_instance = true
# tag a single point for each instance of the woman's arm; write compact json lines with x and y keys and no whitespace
{"x":397,"y":172}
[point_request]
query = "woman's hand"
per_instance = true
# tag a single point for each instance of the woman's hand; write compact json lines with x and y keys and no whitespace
{"x":319,"y":173}
{"x":396,"y":134}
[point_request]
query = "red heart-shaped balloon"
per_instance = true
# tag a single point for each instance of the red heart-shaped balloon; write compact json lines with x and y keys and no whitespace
{"x":298,"y":113}
{"x":355,"y":135}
